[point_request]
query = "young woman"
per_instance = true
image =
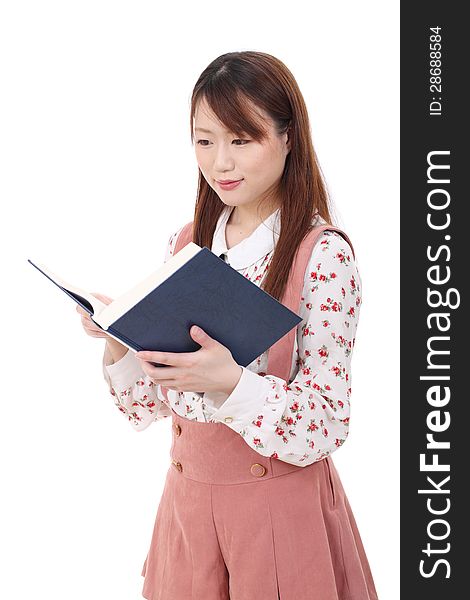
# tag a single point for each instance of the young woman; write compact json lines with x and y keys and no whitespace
{"x":253,"y":506}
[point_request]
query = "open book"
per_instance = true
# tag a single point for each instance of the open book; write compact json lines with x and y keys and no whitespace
{"x":193,"y":287}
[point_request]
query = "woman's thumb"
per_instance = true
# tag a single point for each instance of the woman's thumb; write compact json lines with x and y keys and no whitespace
{"x":102,"y":297}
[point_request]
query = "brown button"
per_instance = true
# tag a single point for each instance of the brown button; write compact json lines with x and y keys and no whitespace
{"x":178,"y":465}
{"x":258,"y":470}
{"x":177,"y":429}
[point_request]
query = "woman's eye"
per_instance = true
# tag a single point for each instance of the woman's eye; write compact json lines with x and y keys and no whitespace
{"x":242,"y":142}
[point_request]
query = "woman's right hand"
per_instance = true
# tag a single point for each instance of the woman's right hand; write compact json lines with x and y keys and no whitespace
{"x":88,"y":325}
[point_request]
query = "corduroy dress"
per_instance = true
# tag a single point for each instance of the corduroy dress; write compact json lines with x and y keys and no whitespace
{"x":233,"y":524}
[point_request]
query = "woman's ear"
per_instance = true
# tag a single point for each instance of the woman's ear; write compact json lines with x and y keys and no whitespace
{"x":288,"y":140}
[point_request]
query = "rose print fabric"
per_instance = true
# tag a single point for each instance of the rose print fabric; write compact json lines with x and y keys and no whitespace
{"x":300,"y":421}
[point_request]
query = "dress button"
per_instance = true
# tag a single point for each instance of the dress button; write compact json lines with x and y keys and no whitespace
{"x":178,"y":429}
{"x":228,"y":419}
{"x":178,"y":465}
{"x":258,"y":470}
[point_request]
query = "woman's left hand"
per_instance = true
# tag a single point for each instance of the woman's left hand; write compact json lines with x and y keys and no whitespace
{"x":209,"y":369}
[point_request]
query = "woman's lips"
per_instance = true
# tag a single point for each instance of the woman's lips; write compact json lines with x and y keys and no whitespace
{"x":229,"y":185}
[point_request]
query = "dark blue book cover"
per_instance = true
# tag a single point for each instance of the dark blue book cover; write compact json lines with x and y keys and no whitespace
{"x":207,"y":292}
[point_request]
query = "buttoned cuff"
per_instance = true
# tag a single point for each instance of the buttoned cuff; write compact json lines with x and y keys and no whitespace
{"x":126,"y":371}
{"x":247,"y":397}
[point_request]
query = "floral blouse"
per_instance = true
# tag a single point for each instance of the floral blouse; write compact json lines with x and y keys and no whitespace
{"x":300,"y":421}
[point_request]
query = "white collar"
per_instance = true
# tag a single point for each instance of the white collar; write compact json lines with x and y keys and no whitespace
{"x":251,"y":249}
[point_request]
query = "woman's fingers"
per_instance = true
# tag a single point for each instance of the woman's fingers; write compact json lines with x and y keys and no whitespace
{"x":102,"y":297}
{"x":89,"y":326}
{"x":86,"y":320}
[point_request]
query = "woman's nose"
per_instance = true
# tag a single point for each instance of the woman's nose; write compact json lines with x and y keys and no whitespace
{"x":223,"y":159}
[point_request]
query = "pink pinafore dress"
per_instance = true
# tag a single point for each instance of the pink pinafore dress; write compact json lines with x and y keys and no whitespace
{"x":233,"y":524}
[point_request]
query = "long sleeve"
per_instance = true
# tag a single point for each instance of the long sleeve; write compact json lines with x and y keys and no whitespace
{"x":135,"y":394}
{"x":303,"y":421}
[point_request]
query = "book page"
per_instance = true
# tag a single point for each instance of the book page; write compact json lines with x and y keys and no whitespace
{"x":112,"y":312}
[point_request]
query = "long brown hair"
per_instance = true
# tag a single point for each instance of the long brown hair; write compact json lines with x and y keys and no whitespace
{"x":226,"y":85}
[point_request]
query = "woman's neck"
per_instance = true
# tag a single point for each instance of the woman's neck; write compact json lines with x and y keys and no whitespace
{"x":245,"y":218}
{"x":244,"y":224}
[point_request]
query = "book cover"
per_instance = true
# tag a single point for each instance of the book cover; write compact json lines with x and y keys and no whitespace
{"x":195,"y":287}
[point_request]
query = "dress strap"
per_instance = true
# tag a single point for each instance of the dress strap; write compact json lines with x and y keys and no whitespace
{"x":184,"y":237}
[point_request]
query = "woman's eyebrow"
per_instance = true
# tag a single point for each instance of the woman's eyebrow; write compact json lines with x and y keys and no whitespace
{"x":211,"y":132}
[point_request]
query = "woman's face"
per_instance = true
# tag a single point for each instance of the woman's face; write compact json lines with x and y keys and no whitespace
{"x":222,"y":156}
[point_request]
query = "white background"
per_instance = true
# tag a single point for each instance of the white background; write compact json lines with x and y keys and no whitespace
{"x":97,"y":173}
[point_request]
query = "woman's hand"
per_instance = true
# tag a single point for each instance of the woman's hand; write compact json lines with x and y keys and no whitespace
{"x":209,"y":369}
{"x":88,"y":325}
